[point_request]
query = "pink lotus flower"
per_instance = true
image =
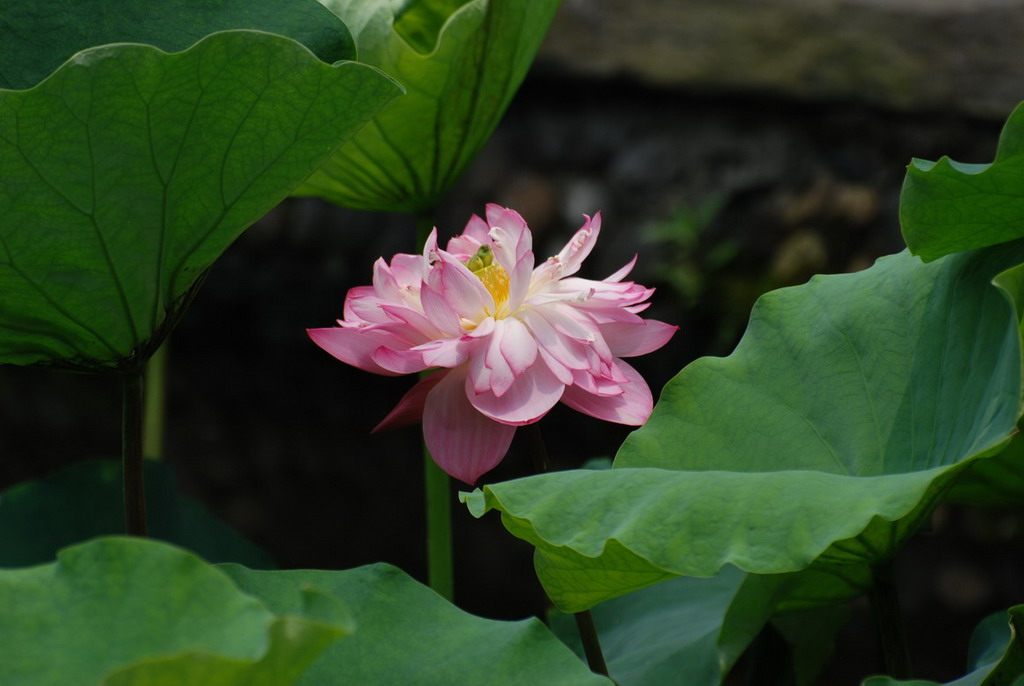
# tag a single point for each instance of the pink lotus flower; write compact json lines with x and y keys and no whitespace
{"x":510,"y":340}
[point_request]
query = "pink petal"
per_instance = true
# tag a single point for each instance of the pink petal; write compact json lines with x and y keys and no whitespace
{"x":409,"y":409}
{"x":463,"y":247}
{"x":479,"y":374}
{"x":504,"y":249}
{"x":577,"y":325}
{"x":518,"y":346}
{"x":622,"y":273}
{"x":596,"y":384}
{"x":519,"y":238}
{"x":418,"y":325}
{"x":632,"y":407}
{"x":463,"y":442}
{"x":447,"y":352}
{"x":501,"y":374}
{"x":609,"y":315}
{"x":526,"y":400}
{"x":613,"y":371}
{"x":511,"y":351}
{"x":408,"y":271}
{"x":363,"y":304}
{"x":630,"y":340}
{"x":519,"y":281}
{"x":570,"y":353}
{"x":459,"y":287}
{"x":561,"y":372}
{"x":384,"y":281}
{"x":589,"y":293}
{"x":399,"y":361}
{"x":569,"y":321}
{"x":477,"y":228}
{"x":356,"y":345}
{"x":439,"y":311}
{"x":485,"y":327}
{"x":579,"y":246}
{"x":429,"y":246}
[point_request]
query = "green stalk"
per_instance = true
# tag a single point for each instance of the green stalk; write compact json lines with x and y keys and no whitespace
{"x":892,"y":634}
{"x":584,"y":620}
{"x":591,"y":643}
{"x":154,"y":404}
{"x":440,"y":573}
{"x":131,"y":454}
{"x":440,"y":567}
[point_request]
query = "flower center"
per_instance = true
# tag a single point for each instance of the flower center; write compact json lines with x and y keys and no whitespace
{"x":491,"y":274}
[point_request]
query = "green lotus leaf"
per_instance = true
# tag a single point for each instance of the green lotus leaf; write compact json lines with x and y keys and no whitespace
{"x":999,"y":481}
{"x":690,"y":630}
{"x":461,"y":63}
{"x":120,"y":611}
{"x":84,"y":500}
{"x":129,"y":171}
{"x":410,"y":635}
{"x":846,"y":412}
{"x":810,"y":636}
{"x":996,"y":655}
{"x":994,"y":482}
{"x":949,"y":207}
{"x":667,"y":633}
{"x":39,"y":35}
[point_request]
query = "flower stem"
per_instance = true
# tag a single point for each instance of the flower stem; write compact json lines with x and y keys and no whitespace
{"x":538,"y":449}
{"x":440,"y":568}
{"x":439,"y":528}
{"x":131,"y":454}
{"x":584,"y":620}
{"x":892,"y":634}
{"x":155,"y":398}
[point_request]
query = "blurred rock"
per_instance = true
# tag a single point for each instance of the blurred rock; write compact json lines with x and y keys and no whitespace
{"x":799,"y":257}
{"x":851,"y":203}
{"x":963,"y":587}
{"x":906,"y":54}
{"x":533,"y":196}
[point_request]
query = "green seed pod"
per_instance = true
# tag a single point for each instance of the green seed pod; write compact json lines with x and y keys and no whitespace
{"x":483,"y":259}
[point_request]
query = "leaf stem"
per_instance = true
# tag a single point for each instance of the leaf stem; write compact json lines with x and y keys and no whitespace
{"x":584,"y":620}
{"x":425,"y":223}
{"x":131,"y":453}
{"x":591,"y":643}
{"x":155,"y":400}
{"x":437,"y":490}
{"x":892,"y":634}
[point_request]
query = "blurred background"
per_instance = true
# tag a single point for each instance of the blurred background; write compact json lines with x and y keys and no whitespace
{"x":736,"y":146}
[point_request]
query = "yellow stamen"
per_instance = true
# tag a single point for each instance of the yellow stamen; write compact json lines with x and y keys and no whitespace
{"x":496,"y":281}
{"x":491,"y":274}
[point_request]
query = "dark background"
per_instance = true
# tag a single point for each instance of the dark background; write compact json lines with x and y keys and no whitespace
{"x":724,"y":194}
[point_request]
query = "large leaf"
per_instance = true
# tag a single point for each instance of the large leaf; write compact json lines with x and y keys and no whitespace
{"x":38,"y":35}
{"x":810,"y":635}
{"x":120,"y":611}
{"x":84,"y":501}
{"x":996,"y":657}
{"x":129,"y":171}
{"x":691,"y":630}
{"x":410,"y":635}
{"x":845,"y":413}
{"x":461,"y":68}
{"x":1001,"y":481}
{"x":993,"y":482}
{"x":668,"y":633}
{"x":949,"y":206}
